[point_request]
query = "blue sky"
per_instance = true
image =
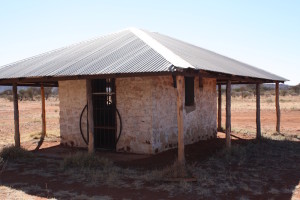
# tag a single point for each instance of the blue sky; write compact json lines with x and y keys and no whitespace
{"x":265,"y":34}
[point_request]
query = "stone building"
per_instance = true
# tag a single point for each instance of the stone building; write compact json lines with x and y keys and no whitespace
{"x":147,"y":107}
{"x":136,"y":91}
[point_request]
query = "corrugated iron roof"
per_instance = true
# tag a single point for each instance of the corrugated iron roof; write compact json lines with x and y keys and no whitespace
{"x":207,"y":60}
{"x":128,"y":51}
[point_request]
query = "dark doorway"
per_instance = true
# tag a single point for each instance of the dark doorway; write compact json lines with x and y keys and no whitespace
{"x":104,"y":103}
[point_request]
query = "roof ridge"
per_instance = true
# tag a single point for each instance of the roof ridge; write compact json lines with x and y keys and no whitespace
{"x":169,"y":55}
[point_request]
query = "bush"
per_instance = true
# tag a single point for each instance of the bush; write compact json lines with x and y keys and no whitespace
{"x":174,"y":171}
{"x":12,"y":152}
{"x":6,"y":92}
{"x":283,"y":92}
{"x":296,"y":89}
{"x":48,"y":92}
{"x":87,"y":161}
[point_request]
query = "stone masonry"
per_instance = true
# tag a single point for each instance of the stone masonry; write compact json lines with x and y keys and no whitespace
{"x":72,"y":99}
{"x":147,"y":106}
{"x":148,"y":109}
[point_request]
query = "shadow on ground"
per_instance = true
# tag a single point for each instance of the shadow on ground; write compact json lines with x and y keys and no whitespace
{"x":251,"y":169}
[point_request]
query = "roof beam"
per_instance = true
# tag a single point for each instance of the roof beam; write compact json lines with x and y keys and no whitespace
{"x":51,"y":81}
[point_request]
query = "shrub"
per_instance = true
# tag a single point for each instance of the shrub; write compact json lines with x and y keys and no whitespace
{"x":48,"y":92}
{"x":176,"y":170}
{"x":235,"y":155}
{"x":87,"y":161}
{"x":9,"y":98}
{"x":12,"y":152}
{"x":296,"y":89}
{"x":246,"y":94}
{"x":2,"y":165}
{"x":269,"y":100}
{"x":283,"y":92}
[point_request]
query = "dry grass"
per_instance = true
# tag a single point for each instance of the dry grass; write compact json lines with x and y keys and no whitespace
{"x":83,"y":160}
{"x":244,"y":114}
{"x":94,"y":169}
{"x":30,"y":120}
{"x":13,"y":153}
{"x":267,"y":102}
{"x":245,"y":169}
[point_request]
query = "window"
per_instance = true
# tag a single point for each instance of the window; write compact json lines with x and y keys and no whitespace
{"x":189,"y":91}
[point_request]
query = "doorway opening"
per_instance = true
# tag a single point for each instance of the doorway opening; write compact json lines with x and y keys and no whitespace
{"x":104,"y":111}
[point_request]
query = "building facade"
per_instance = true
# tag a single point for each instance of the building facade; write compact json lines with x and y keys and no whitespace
{"x":147,"y":108}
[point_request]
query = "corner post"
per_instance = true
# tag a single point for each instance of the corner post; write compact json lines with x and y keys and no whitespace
{"x":277,"y":108}
{"x":16,"y":115}
{"x":219,"y":107}
{"x":228,"y":114}
{"x":180,"y":85}
{"x":89,"y":97}
{"x":258,"y":125}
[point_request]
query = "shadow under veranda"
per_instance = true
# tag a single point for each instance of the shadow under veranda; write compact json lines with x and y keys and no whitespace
{"x":253,"y":169}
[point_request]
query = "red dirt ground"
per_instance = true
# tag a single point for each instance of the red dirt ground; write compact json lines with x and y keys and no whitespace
{"x":243,"y":124}
{"x":198,"y":152}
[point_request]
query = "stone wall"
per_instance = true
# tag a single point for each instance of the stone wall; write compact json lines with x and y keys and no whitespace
{"x":134,"y":102}
{"x":199,"y":120}
{"x":164,"y":112}
{"x":147,"y":106}
{"x":148,"y":109}
{"x":201,"y":123}
{"x":72,"y":99}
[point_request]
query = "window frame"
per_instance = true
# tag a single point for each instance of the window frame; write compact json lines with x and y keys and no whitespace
{"x":189,"y":86}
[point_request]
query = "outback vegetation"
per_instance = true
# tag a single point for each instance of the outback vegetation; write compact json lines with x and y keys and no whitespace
{"x":13,"y":153}
{"x":268,"y":90}
{"x":251,"y":169}
{"x":29,"y":93}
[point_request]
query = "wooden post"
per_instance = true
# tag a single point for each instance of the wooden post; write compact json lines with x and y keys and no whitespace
{"x":277,"y":108}
{"x":220,"y":107}
{"x":89,"y":97}
{"x":180,"y":85}
{"x":43,"y":119}
{"x":228,"y":114}
{"x":258,"y":125}
{"x":43,"y":111}
{"x":16,"y":115}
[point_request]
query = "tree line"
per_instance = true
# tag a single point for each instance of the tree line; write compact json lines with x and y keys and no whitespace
{"x":30,"y":93}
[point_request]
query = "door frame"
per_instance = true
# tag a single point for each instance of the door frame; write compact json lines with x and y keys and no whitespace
{"x":99,"y":134}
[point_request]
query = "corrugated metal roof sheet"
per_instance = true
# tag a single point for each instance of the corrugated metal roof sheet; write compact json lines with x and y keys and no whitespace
{"x":128,"y":51}
{"x":207,"y":60}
